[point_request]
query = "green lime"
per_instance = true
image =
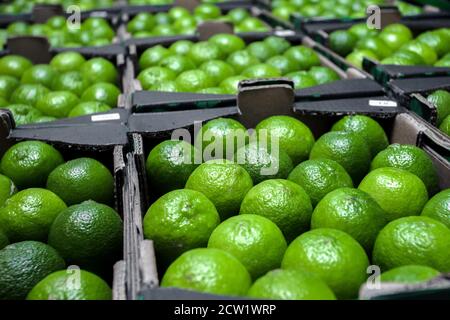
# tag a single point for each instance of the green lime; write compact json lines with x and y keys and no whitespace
{"x":153,"y":75}
{"x":261,"y":71}
{"x":169,"y":165}
{"x":225,"y":184}
{"x":319,"y":177}
{"x":348,"y":149}
{"x":184,"y":24}
{"x":438,"y":41}
{"x":424,"y":50}
{"x":24,"y":114}
{"x":164,"y":30}
{"x":72,"y":81}
{"x":207,"y":11}
{"x":181,"y":47}
{"x":290,"y":134}
{"x":261,"y":51}
{"x":302,"y":79}
{"x":165,"y":85}
{"x":56,"y":22}
{"x":67,"y":61}
{"x":14,"y":66}
{"x":290,"y":285}
{"x":376,"y":45}
{"x":252,"y":24}
{"x":217,"y":70}
{"x":227,"y":43}
{"x":153,"y":56}
{"x":361,"y":31}
{"x":444,"y":62}
{"x":237,"y":15}
{"x":88,"y":235}
{"x":438,"y":207}
{"x":143,"y":21}
{"x":334,"y":256}
{"x":283,"y":64}
{"x":193,"y":80}
{"x":8,"y":85}
{"x":87,"y":108}
{"x":278,"y":44}
{"x":241,"y":59}
{"x":29,"y":214}
{"x":204,"y":51}
{"x":44,"y":119}
{"x":409,"y":158}
{"x":210,"y":271}
{"x":99,"y":70}
{"x":254,"y":240}
{"x":342,"y":42}
{"x":263,"y":164}
{"x":162,"y":18}
{"x":398,"y":192}
{"x":367,"y":128}
{"x":82,"y":179}
{"x":39,"y":74}
{"x":352,"y":211}
{"x":57,"y":104}
{"x":28,"y":94}
{"x":23,"y":265}
{"x":177,"y":64}
{"x":230,"y":85}
{"x":399,"y":28}
{"x":394,"y":40}
{"x":59,"y":286}
{"x":99,"y":28}
{"x":18,"y":28}
{"x":8,"y":188}
{"x":409,"y":57}
{"x":304,"y":56}
{"x":179,"y":221}
{"x":29,"y":163}
{"x":441,"y":100}
{"x":409,"y":274}
{"x":103,"y":92}
{"x":357,"y":56}
{"x":323,"y":75}
{"x":413,"y":240}
{"x":283,"y":202}
{"x":176,"y":13}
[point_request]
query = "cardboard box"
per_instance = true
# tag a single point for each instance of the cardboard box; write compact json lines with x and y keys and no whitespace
{"x":254,"y":98}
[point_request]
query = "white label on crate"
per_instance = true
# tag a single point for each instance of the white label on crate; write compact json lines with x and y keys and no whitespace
{"x":105,"y":117}
{"x":382,"y":103}
{"x":284,"y":33}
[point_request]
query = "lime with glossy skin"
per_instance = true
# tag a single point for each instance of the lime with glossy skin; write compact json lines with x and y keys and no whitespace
{"x":193,"y":80}
{"x":375,"y":44}
{"x":411,"y":58}
{"x":438,"y":207}
{"x":290,"y":285}
{"x":352,"y":211}
{"x":8,"y":85}
{"x":342,"y":42}
{"x":399,"y":29}
{"x":39,"y":74}
{"x":304,"y":56}
{"x":409,"y":158}
{"x":80,"y":180}
{"x":177,"y":64}
{"x":153,"y":56}
{"x":88,"y":235}
{"x":413,"y":240}
{"x":252,"y":24}
{"x":283,"y":202}
{"x":179,"y":221}
{"x":441,"y":100}
{"x":241,"y":59}
{"x":56,"y":286}
{"x":29,"y":214}
{"x":143,"y":21}
{"x":169,"y":166}
{"x":153,"y":75}
{"x":29,"y":163}
{"x":348,"y":149}
{"x":323,"y":75}
{"x":227,"y":43}
{"x":334,"y":256}
{"x":225,"y":184}
{"x":67,"y":61}
{"x":24,"y":114}
{"x":56,"y":22}
{"x":398,"y":192}
{"x":181,"y":47}
{"x":263,"y":164}
{"x":217,"y":70}
{"x":57,"y":104}
{"x":237,"y":15}
{"x":204,"y":51}
{"x":278,"y":44}
{"x":409,"y":274}
{"x":28,"y":94}
{"x":8,"y":188}
{"x":221,"y":135}
{"x":23,"y":265}
{"x":176,"y":13}
{"x":445,"y":125}
{"x":164,"y":30}
{"x":357,"y":56}
{"x":103,"y":92}
{"x":283,"y":64}
{"x":260,"y":71}
{"x":293,"y":136}
{"x":254,"y":240}
{"x":72,"y":81}
{"x":87,"y":108}
{"x":260,"y":50}
{"x":438,"y":41}
{"x":424,"y":50}
{"x":14,"y":66}
{"x":372,"y":133}
{"x":302,"y":79}
{"x":99,"y":70}
{"x":165,"y":85}
{"x":210,"y":271}
{"x":207,"y":11}
{"x":18,"y":28}
{"x":361,"y":31}
{"x":230,"y":85}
